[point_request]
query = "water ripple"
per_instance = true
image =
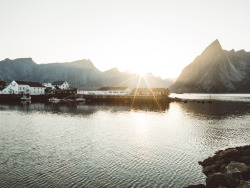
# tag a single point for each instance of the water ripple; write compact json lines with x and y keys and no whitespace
{"x":106,"y":149}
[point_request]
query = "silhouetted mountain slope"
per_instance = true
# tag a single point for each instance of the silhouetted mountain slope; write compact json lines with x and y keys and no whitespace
{"x":80,"y":73}
{"x":134,"y":80}
{"x":216,"y":70}
{"x":77,"y":73}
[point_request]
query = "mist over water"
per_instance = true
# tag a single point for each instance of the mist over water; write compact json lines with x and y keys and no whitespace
{"x":101,"y":145}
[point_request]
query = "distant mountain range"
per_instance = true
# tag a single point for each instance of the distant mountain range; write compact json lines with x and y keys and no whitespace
{"x":216,"y":71}
{"x":80,"y":73}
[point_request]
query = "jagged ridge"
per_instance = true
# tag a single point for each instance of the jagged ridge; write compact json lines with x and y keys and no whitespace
{"x":80,"y":73}
{"x":216,"y":70}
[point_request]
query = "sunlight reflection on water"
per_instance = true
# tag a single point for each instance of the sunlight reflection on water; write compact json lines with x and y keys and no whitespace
{"x":48,"y":145}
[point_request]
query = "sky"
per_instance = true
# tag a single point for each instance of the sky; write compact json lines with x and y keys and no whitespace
{"x":157,"y":36}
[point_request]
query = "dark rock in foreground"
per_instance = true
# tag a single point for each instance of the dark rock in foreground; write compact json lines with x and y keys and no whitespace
{"x":229,"y":168}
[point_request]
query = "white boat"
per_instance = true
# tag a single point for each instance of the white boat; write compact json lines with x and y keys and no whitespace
{"x":80,"y":100}
{"x":25,"y":98}
{"x":53,"y":99}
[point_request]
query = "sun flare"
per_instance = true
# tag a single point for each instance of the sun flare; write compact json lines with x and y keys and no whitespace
{"x":140,"y":71}
{"x":142,"y":74}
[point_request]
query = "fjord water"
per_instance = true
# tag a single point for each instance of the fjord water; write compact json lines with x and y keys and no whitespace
{"x":102,"y":145}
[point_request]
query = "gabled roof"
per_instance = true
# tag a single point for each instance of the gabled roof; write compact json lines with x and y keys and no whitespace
{"x":112,"y":88}
{"x":58,"y":82}
{"x":31,"y":84}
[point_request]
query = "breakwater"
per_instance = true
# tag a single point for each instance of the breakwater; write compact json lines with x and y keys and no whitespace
{"x":229,"y":168}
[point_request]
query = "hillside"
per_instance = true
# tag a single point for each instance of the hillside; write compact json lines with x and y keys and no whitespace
{"x":80,"y":73}
{"x":216,"y":71}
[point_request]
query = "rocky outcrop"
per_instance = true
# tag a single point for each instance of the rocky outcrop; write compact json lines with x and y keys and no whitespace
{"x":216,"y":70}
{"x":228,"y":168}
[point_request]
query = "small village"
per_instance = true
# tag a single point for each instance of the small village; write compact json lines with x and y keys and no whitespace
{"x":60,"y":91}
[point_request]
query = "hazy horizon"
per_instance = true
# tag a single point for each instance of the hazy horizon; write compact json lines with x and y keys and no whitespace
{"x":161,"y":37}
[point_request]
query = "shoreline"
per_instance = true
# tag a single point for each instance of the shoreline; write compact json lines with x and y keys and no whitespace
{"x":229,"y":168}
{"x":113,"y":98}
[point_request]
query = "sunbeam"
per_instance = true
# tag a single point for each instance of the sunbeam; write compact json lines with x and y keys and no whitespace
{"x":149,"y":87}
{"x":124,"y":82}
{"x":139,"y":80}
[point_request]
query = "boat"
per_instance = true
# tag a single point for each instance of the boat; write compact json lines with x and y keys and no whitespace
{"x":67,"y":100}
{"x":53,"y":99}
{"x":63,"y":100}
{"x":80,"y":100}
{"x":70,"y":100}
{"x":26,"y":97}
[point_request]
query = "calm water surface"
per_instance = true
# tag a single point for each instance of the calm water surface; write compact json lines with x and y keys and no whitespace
{"x":220,"y":97}
{"x":62,"y":145}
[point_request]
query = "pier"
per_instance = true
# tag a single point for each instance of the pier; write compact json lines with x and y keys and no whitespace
{"x":126,"y":98}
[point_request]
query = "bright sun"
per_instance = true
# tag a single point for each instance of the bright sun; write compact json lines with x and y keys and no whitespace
{"x":140,"y":71}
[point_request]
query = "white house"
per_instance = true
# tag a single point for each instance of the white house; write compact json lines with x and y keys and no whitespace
{"x":24,"y":87}
{"x":88,"y":91}
{"x":106,"y":91}
{"x":61,"y":84}
{"x":48,"y":85}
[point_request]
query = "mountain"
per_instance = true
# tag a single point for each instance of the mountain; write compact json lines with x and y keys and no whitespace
{"x":216,"y":71}
{"x":80,"y":73}
{"x":77,"y":73}
{"x":134,"y":80}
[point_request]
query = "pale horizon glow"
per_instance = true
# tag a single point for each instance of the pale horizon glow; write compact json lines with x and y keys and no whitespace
{"x":161,"y":36}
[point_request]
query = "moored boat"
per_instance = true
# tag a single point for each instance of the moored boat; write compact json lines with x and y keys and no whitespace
{"x":70,"y":100}
{"x":80,"y":100}
{"x":26,"y":97}
{"x":53,"y":99}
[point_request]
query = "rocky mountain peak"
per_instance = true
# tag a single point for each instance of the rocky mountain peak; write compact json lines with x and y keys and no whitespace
{"x":115,"y":69}
{"x":84,"y":63}
{"x":216,"y":70}
{"x":215,"y":44}
{"x":23,"y":60}
{"x":113,"y":72}
{"x":212,"y":49}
